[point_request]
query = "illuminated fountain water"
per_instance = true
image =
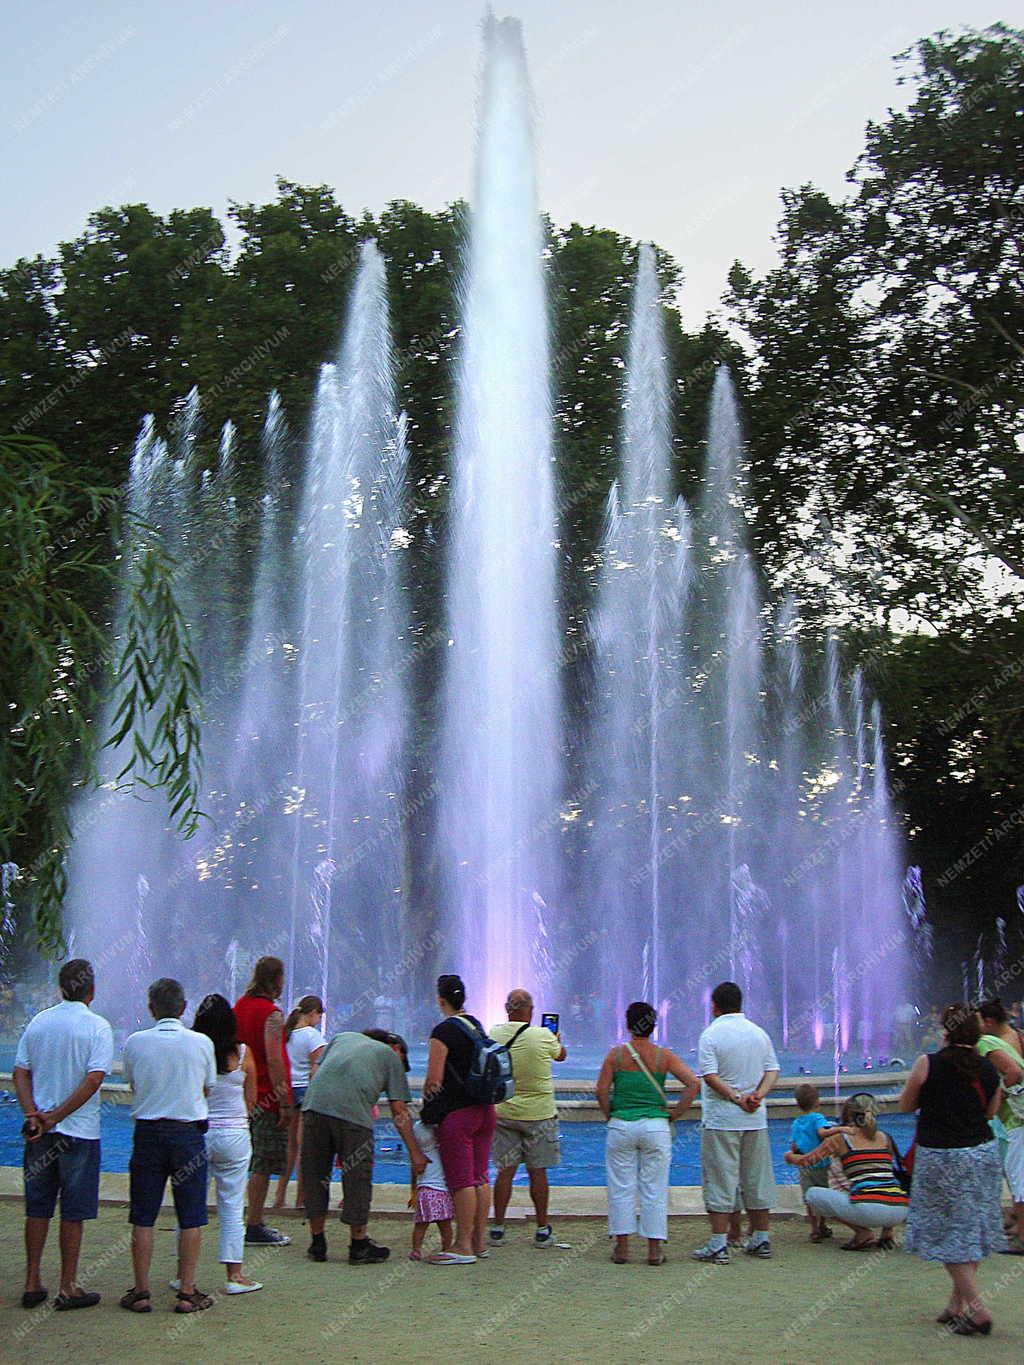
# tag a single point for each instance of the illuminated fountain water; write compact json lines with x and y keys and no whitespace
{"x":734,"y":817}
{"x":500,"y":717}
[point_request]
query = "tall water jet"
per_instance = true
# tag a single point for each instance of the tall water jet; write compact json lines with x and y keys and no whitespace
{"x":345,"y":848}
{"x":636,"y":625}
{"x":729,"y":661}
{"x":500,"y":725}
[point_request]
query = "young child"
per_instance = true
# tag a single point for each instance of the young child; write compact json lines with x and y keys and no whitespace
{"x":807,"y":1131}
{"x":430,"y":1194}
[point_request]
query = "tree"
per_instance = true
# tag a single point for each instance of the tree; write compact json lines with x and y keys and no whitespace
{"x":58,"y":663}
{"x":889,"y":344}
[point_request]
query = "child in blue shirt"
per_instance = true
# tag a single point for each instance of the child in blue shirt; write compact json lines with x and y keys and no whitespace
{"x":806,"y":1133}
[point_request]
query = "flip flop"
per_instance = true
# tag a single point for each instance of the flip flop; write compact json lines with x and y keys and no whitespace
{"x":450,"y":1258}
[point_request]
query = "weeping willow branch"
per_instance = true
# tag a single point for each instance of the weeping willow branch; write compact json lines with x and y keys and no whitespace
{"x":54,"y":537}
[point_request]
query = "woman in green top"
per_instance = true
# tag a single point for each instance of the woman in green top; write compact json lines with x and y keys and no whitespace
{"x":1003,"y":1045}
{"x":631,"y":1093}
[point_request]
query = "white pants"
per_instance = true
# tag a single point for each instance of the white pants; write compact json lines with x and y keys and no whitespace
{"x":637,"y":1159}
{"x":227,"y":1155}
{"x":1013,"y":1164}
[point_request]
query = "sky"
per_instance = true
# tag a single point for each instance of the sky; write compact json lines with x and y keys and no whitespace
{"x":678,"y":123}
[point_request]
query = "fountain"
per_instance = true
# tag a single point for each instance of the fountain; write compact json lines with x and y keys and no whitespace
{"x":733,"y":817}
{"x":500,"y":717}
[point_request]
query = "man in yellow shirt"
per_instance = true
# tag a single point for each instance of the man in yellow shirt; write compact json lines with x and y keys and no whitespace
{"x":527,"y":1127}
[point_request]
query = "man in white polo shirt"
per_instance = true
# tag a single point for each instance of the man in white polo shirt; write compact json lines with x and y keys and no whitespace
{"x":62,"y":1058}
{"x":738,"y":1067}
{"x":170,"y":1070}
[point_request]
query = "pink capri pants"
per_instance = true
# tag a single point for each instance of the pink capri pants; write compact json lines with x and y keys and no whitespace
{"x":464,"y":1140}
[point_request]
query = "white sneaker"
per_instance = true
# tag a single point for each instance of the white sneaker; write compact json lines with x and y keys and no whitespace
{"x":233,"y":1287}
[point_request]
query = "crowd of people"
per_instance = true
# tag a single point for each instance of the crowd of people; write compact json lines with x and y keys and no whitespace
{"x":245,"y":1096}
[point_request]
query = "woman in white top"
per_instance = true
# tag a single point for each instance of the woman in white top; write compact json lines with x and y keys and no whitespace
{"x":305,"y":1044}
{"x":228,"y":1145}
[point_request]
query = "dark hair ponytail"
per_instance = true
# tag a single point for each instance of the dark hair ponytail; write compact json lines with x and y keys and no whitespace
{"x":452,"y":991}
{"x":216,"y":1019}
{"x":961,"y":1027}
{"x":993,"y":1009}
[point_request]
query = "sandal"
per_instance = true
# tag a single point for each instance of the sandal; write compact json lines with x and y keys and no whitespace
{"x":886,"y":1244}
{"x":197,"y":1301}
{"x":137,"y":1301}
{"x":854,"y":1245}
{"x":660,"y":1261}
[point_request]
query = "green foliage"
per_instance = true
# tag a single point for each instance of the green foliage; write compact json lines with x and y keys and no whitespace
{"x":882,"y":374}
{"x":885,"y":413}
{"x":56,"y":667}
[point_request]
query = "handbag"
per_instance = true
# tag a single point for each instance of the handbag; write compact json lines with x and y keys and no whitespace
{"x":640,"y":1063}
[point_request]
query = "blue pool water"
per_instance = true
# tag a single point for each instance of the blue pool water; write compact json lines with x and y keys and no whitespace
{"x":582,"y":1147}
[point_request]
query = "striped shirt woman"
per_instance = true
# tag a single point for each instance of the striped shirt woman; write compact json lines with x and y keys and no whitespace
{"x":875,"y":1198}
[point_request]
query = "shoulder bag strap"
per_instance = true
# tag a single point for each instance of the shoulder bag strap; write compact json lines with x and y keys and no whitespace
{"x":640,"y":1063}
{"x":515,"y":1035}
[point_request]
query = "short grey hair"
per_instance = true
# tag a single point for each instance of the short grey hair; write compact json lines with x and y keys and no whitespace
{"x":167,"y":998}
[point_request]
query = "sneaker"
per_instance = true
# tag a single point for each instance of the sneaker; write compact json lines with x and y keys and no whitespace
{"x":544,"y":1237}
{"x":259,"y":1235}
{"x":317,"y":1249}
{"x":496,"y":1235}
{"x":762,"y":1250}
{"x":367,"y":1253}
{"x":711,"y":1255}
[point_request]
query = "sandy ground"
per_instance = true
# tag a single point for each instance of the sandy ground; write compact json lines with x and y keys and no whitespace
{"x":809,"y":1304}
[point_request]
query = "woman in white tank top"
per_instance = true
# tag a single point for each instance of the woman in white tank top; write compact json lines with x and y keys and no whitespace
{"x":228,"y":1145}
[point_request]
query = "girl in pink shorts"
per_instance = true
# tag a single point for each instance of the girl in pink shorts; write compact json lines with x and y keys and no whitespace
{"x":433,"y":1203}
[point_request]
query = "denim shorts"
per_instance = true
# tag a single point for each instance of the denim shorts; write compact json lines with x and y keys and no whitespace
{"x":162,"y":1150}
{"x":58,"y":1164}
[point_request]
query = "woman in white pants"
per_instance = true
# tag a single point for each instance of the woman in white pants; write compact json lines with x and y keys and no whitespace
{"x":228,"y":1145}
{"x":631,"y":1093}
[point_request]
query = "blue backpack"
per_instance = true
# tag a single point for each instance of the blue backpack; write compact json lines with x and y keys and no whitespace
{"x":489,"y":1078}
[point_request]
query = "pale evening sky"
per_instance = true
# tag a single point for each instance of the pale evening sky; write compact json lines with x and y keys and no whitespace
{"x":672,"y":122}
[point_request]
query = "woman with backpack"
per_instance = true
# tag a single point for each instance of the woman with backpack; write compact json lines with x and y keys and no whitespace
{"x":464,"y":1127}
{"x":954,"y":1199}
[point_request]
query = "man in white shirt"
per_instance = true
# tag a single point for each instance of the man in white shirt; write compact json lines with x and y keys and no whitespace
{"x":170,"y":1070}
{"x":61,"y":1061}
{"x":738,"y":1067}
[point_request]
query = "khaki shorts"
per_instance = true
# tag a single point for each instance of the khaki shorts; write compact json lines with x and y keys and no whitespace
{"x":731,"y":1160}
{"x":813,"y":1178}
{"x":533,"y":1141}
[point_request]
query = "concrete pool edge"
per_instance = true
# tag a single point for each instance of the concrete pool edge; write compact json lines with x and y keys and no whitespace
{"x":391,"y":1201}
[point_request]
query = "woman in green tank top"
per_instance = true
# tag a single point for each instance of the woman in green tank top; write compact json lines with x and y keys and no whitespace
{"x":631,"y":1093}
{"x":1003,"y":1045}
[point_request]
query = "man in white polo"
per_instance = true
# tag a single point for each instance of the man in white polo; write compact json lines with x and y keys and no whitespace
{"x":170,"y":1070}
{"x":527,"y":1124}
{"x":738,"y":1068}
{"x":62,"y":1058}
